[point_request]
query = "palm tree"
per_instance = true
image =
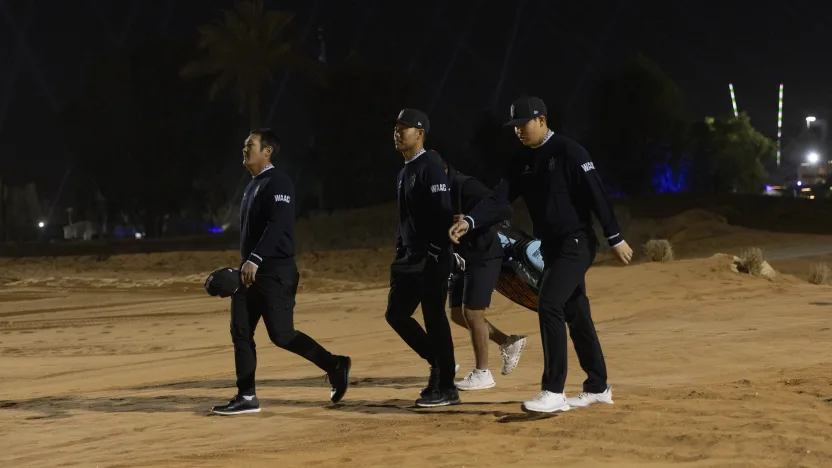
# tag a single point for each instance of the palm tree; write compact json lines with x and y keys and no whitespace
{"x":242,"y":51}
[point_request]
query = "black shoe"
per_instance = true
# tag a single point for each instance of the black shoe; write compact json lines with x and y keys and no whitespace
{"x":433,"y":382}
{"x":439,"y":397}
{"x":238,"y":405}
{"x":339,"y":379}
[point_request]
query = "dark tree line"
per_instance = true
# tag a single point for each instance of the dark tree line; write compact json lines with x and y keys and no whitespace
{"x":155,"y":132}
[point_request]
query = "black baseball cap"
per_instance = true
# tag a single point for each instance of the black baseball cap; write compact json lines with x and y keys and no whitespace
{"x":525,"y":109}
{"x":223,"y":282}
{"x":414,"y":118}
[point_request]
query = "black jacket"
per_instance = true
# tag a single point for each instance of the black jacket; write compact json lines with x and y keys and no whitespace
{"x":424,"y":209}
{"x":267,"y":220}
{"x":481,"y":243}
{"x":561,"y":188}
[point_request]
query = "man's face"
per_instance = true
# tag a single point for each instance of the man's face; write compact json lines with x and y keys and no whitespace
{"x":405,"y":137}
{"x":253,"y":154}
{"x":532,"y":132}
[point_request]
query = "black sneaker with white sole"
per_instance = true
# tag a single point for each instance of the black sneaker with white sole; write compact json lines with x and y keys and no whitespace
{"x":433,"y":381}
{"x":439,"y":397}
{"x":339,"y":379}
{"x":238,"y":405}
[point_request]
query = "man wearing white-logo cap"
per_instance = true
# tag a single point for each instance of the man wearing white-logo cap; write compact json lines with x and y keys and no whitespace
{"x":561,"y":188}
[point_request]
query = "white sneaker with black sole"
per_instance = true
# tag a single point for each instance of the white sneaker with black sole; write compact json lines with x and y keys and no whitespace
{"x":546,"y":402}
{"x":585,"y":399}
{"x":476,"y":380}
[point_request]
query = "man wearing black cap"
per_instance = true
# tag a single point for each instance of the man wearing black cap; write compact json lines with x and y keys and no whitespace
{"x":269,"y":278}
{"x":420,"y":271}
{"x":561,"y":188}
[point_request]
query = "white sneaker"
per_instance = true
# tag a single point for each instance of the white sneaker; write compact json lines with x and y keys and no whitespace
{"x":546,"y":402}
{"x":585,"y":399}
{"x":476,"y":380}
{"x":510,"y":352}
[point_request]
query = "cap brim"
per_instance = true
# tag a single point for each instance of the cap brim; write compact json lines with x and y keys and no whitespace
{"x":517,"y":122}
{"x":408,"y":124}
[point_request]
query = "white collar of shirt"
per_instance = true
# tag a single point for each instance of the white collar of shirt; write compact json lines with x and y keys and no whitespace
{"x":269,"y":166}
{"x":418,"y":153}
{"x":545,"y":139}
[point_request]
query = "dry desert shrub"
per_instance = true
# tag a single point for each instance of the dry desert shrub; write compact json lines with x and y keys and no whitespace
{"x":819,"y":273}
{"x":659,"y":250}
{"x":751,"y":261}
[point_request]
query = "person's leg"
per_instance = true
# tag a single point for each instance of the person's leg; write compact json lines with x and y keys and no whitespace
{"x":565,"y":267}
{"x":482,"y":288}
{"x":402,"y":301}
{"x":456,"y":289}
{"x":245,"y":313}
{"x":278,"y":289}
{"x":456,"y":292}
{"x":588,"y":348}
{"x":434,"y":296}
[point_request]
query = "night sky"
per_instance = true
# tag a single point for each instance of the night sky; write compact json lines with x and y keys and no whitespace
{"x":456,"y":48}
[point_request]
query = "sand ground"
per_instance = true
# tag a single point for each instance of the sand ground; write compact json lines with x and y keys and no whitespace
{"x":116,"y":363}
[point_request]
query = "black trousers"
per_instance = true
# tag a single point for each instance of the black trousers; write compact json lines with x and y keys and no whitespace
{"x":427,"y":284}
{"x":272,"y":296}
{"x":562,"y":300}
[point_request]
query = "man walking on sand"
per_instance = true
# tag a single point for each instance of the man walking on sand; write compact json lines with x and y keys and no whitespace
{"x":419,"y":274}
{"x":561,"y":188}
{"x":269,"y":278}
{"x":479,"y":259}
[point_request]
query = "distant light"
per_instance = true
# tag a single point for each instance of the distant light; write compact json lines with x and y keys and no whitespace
{"x":812,"y":157}
{"x":41,"y":224}
{"x":799,"y":183}
{"x":809,"y":121}
{"x":215,"y":229}
{"x":138,"y":235}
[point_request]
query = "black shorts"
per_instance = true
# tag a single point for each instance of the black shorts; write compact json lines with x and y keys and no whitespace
{"x":474,"y":286}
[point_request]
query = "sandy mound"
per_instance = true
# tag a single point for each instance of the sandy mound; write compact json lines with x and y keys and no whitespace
{"x":336,"y":270}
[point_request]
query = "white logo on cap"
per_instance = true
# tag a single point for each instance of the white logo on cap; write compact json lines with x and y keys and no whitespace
{"x":512,"y":111}
{"x":535,"y":112}
{"x":419,"y":123}
{"x":401,"y":114}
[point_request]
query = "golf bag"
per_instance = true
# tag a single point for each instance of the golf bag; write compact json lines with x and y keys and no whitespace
{"x":522,"y":266}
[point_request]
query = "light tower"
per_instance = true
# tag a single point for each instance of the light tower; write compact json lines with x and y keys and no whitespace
{"x":779,"y":123}
{"x":733,"y":99}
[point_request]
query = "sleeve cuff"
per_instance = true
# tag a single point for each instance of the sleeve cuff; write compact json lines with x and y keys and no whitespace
{"x":470,"y":222}
{"x":615,"y":240}
{"x":255,"y":259}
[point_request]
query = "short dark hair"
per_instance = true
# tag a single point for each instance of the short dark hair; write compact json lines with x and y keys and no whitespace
{"x":267,"y":138}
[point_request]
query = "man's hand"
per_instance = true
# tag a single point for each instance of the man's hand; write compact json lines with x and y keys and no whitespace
{"x":458,"y":217}
{"x":247,"y":273}
{"x":623,"y":252}
{"x":459,"y":229}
